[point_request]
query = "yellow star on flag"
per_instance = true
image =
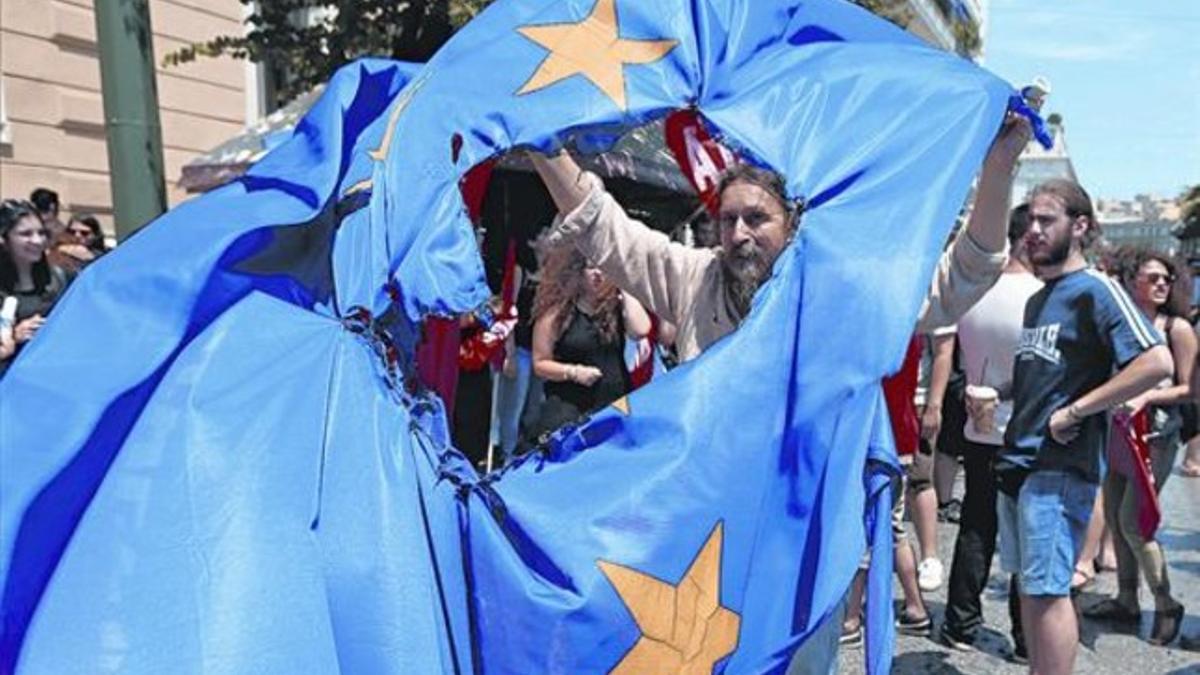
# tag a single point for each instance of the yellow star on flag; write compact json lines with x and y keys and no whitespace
{"x":622,"y":405}
{"x":684,"y":628}
{"x":592,"y":48}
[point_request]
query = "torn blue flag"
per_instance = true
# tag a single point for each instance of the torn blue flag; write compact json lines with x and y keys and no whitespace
{"x":215,"y":457}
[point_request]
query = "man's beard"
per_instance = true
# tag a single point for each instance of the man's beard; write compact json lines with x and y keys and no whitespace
{"x":1055,"y":253}
{"x":746,"y":268}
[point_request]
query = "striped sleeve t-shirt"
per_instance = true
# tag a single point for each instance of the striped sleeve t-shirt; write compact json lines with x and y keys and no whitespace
{"x":1078,"y":331}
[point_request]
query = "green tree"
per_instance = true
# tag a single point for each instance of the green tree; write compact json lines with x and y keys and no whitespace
{"x":302,"y":42}
{"x":1189,"y":208}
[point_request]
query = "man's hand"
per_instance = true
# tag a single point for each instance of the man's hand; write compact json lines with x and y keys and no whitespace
{"x":1064,"y":426}
{"x":25,"y":330}
{"x":1010,"y":142}
{"x":931,"y":422}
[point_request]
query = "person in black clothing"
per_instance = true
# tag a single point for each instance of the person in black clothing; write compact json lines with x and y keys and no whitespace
{"x":580,"y":324}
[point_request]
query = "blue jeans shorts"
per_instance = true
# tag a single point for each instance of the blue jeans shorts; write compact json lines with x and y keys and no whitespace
{"x":1042,"y":531}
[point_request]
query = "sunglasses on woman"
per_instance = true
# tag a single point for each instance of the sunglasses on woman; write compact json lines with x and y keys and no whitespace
{"x":1155,"y":278}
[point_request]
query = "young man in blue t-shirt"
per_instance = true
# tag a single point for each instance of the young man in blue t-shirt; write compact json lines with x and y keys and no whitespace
{"x":1084,"y":349}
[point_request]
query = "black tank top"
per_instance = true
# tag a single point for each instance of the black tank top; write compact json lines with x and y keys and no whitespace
{"x":581,"y":344}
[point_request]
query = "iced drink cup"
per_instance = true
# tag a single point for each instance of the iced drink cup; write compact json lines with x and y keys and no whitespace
{"x":982,"y":402}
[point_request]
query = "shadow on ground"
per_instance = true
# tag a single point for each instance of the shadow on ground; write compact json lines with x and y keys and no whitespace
{"x":925,"y":662}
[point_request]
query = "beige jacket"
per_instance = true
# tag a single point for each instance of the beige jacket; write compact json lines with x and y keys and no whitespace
{"x":685,"y":286}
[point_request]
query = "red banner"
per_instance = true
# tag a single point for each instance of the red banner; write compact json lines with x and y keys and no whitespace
{"x":701,"y":158}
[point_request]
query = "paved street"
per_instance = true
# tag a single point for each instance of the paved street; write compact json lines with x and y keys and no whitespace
{"x":1102,"y":650}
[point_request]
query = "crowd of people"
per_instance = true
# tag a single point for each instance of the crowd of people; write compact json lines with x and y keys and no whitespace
{"x":1063,"y":390}
{"x":1076,"y":390}
{"x":39,"y":257}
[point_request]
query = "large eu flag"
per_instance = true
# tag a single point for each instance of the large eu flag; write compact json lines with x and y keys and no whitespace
{"x":214,"y":457}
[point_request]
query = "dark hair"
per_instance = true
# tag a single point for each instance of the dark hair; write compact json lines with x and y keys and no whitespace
{"x":1075,"y":200}
{"x":44,"y":199}
{"x":1127,"y":262}
{"x":1018,"y":224}
{"x":13,"y":211}
{"x":766,"y":179}
{"x":94,"y":225}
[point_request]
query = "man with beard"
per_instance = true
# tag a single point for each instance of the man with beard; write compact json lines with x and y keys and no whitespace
{"x":706,"y":293}
{"x":1078,"y":329}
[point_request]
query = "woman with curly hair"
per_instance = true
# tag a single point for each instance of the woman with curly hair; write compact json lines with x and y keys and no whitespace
{"x":1160,"y":287}
{"x":580,"y":323}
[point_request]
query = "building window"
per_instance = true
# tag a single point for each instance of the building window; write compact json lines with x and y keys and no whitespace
{"x":5,"y":127}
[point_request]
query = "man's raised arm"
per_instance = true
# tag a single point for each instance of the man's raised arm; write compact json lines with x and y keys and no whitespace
{"x":974,"y":261}
{"x":664,"y":276}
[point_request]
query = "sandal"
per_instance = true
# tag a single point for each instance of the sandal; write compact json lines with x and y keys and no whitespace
{"x":1111,"y":610}
{"x":1189,"y":470}
{"x":851,"y":638}
{"x":1166,"y":626}
{"x":910,"y":625}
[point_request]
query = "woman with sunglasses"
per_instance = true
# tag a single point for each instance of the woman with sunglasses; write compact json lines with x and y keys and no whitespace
{"x":29,"y":284}
{"x":80,"y":243}
{"x":84,"y":229}
{"x":1159,"y":287}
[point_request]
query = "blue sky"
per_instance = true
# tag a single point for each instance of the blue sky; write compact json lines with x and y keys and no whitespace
{"x":1126,"y":79}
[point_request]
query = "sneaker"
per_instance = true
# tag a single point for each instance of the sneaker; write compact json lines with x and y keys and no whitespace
{"x":955,"y":642}
{"x":909,"y":625}
{"x":929,"y":574}
{"x":851,"y":638}
{"x":950,"y":512}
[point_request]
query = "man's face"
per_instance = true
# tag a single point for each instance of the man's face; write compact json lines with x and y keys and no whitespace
{"x":754,"y":230}
{"x":1051,"y":230}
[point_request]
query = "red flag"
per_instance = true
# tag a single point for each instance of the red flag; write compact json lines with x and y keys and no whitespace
{"x":1129,"y":455}
{"x":701,"y":158}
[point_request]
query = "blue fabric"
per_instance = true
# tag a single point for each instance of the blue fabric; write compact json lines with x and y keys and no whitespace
{"x":215,"y":459}
{"x":1078,"y":329}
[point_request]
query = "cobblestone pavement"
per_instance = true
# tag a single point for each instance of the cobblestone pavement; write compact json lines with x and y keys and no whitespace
{"x":1102,"y":650}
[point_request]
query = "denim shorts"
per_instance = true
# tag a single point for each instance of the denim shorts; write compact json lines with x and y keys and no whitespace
{"x":1050,"y":519}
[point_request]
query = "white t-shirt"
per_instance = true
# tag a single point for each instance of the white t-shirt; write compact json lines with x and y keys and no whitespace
{"x":987,"y":336}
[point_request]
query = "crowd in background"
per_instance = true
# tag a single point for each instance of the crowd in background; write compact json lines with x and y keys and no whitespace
{"x":951,"y":403}
{"x":39,"y":257}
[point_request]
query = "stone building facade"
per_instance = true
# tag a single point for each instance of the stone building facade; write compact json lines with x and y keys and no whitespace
{"x":52,"y":130}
